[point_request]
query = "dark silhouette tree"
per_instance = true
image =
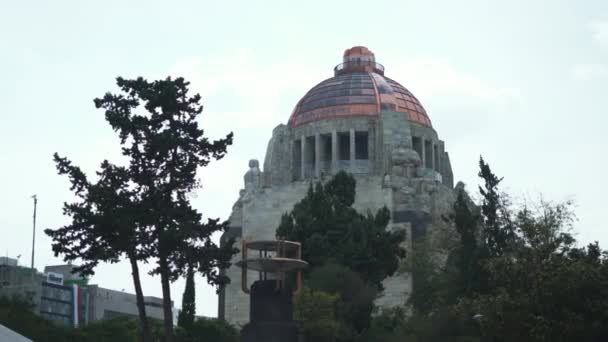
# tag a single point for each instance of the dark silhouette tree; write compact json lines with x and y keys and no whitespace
{"x":516,"y":274}
{"x":104,"y":225}
{"x":331,"y":230}
{"x":164,"y":145}
{"x":499,"y":232}
{"x":188,"y":312}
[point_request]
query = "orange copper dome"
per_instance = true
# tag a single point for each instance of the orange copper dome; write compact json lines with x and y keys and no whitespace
{"x":358,"y":88}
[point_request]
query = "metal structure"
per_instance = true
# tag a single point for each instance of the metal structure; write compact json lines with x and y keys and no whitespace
{"x":271,"y":305}
{"x":275,"y":256}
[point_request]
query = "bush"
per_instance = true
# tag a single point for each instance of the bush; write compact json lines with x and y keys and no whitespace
{"x":206,"y":329}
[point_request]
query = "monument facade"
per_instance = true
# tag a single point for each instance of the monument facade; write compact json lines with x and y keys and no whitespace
{"x":367,"y":124}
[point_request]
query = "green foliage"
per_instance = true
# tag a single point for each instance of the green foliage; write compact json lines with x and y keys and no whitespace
{"x":355,"y":298}
{"x":350,"y":254}
{"x":443,"y":326}
{"x":142,"y":210}
{"x":332,"y":231}
{"x":547,"y":290}
{"x":516,"y":275}
{"x":16,"y":314}
{"x":498,"y":232}
{"x":315,"y":311}
{"x":188,"y":312}
{"x":113,"y":330}
{"x":208,"y":330}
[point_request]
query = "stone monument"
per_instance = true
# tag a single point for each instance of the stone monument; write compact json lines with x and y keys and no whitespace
{"x":365,"y":123}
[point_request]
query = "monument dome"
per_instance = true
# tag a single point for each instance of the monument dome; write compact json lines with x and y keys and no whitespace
{"x":362,"y":122}
{"x":359,"y":88}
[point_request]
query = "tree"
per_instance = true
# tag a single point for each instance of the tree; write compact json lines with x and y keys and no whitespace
{"x":315,"y":310}
{"x":188,"y":312}
{"x":547,"y":289}
{"x":498,"y":231}
{"x":515,"y":275}
{"x":205,"y":329}
{"x":354,"y":298}
{"x":349,"y":253}
{"x":105,"y":225}
{"x":330,"y":230}
{"x":164,"y":145}
{"x":16,"y":314}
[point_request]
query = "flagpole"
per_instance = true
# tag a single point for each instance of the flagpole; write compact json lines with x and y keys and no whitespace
{"x":34,"y":229}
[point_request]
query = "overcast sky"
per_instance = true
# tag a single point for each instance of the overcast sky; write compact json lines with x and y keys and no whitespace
{"x":523,"y":83}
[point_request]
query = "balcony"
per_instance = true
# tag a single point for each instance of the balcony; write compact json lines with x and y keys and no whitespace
{"x":358,"y":66}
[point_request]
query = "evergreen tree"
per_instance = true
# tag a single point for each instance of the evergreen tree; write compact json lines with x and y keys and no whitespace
{"x":164,"y":145}
{"x":498,"y":233}
{"x":104,"y":226}
{"x":188,"y":312}
{"x":331,"y":230}
{"x":516,"y":275}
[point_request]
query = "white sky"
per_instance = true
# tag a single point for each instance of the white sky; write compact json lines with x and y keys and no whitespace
{"x":522,"y":83}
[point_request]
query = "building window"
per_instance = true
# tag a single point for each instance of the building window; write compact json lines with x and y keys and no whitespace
{"x":361,"y":146}
{"x":428,"y":151}
{"x":297,"y":159}
{"x":417,"y":146}
{"x":344,"y":146}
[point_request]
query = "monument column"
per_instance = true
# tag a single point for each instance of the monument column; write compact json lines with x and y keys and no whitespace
{"x":334,"y":152}
{"x":432,"y":155}
{"x":352,"y":150}
{"x":423,"y":149}
{"x":318,"y":155}
{"x":303,"y":158}
{"x":438,"y":156}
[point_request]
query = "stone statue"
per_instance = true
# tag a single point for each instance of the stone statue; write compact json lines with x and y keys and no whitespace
{"x":405,"y":161}
{"x":386,"y":181}
{"x":253,"y":177}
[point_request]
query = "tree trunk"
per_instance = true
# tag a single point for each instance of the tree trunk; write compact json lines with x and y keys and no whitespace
{"x":167,"y":307}
{"x":141,"y":307}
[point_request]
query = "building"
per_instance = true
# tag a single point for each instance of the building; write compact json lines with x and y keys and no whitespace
{"x":365,"y":123}
{"x":51,"y":297}
{"x":107,"y":304}
{"x":68,"y":299}
{"x":8,"y":261}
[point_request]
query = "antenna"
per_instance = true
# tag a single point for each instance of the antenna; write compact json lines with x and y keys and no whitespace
{"x":34,"y":228}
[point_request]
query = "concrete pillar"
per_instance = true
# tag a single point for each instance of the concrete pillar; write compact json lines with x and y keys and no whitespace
{"x":371,"y":149}
{"x":438,"y":156}
{"x":432,"y":155}
{"x":334,"y":152}
{"x":318,"y":155}
{"x":303,"y":158}
{"x":352,"y":150}
{"x":423,"y":156}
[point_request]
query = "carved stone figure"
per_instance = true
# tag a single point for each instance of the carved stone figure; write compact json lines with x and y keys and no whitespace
{"x":253,"y":177}
{"x":405,"y":161}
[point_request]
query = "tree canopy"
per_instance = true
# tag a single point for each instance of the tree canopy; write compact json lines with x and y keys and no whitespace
{"x":350,"y":254}
{"x":516,"y":274}
{"x":331,"y":230}
{"x":141,"y":209}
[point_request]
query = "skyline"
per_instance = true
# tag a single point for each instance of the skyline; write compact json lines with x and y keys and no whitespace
{"x":506,"y":81}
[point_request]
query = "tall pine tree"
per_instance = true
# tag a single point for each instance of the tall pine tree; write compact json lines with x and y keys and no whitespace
{"x":330,"y":229}
{"x":188,"y":312}
{"x":164,"y":145}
